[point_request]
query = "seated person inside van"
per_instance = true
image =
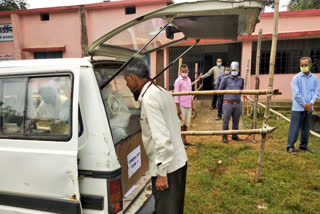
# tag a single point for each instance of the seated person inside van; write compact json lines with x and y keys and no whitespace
{"x":117,"y":110}
{"x":53,"y":111}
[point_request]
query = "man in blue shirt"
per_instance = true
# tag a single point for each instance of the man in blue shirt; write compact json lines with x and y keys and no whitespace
{"x":220,"y":96}
{"x":305,"y":92}
{"x":232,"y":102}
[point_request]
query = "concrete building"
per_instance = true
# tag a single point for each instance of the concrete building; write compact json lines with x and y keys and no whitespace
{"x":67,"y":31}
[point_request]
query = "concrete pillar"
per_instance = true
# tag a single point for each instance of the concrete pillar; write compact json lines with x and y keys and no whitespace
{"x":17,"y":36}
{"x":245,"y":56}
{"x":153,"y":64}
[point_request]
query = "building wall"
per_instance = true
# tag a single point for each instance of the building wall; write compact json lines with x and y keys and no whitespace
{"x":64,"y":27}
{"x":101,"y":21}
{"x":290,"y":24}
{"x":56,"y":32}
{"x":6,"y":47}
{"x":281,"y":81}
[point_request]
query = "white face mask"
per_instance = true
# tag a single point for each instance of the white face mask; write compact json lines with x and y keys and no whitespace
{"x":184,"y":75}
{"x":219,"y":63}
{"x":234,"y":73}
{"x":226,"y":72}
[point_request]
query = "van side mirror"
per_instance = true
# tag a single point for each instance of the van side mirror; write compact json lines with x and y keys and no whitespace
{"x":170,"y":31}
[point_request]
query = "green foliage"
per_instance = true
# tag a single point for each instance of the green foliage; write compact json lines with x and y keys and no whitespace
{"x":6,"y":5}
{"x":303,"y":4}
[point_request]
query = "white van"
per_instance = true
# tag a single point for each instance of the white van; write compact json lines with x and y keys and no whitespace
{"x":70,"y":139}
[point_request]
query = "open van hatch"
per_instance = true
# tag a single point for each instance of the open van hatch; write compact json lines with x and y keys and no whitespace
{"x":176,"y":23}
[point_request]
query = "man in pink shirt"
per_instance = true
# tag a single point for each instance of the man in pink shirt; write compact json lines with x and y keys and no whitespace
{"x":184,"y":103}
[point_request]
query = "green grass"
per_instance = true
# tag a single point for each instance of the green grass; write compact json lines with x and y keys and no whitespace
{"x":290,"y":183}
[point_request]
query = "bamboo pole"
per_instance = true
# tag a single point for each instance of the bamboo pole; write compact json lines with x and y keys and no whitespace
{"x":282,"y":116}
{"x":256,"y":97}
{"x":196,"y":76}
{"x":270,"y":86}
{"x":245,"y":109}
{"x":194,"y":82}
{"x":247,"y":75}
{"x":210,"y":92}
{"x":180,"y":63}
{"x":229,"y":132}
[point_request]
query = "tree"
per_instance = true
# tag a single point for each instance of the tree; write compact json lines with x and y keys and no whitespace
{"x":269,"y":3}
{"x":303,"y":4}
{"x":13,"y":5}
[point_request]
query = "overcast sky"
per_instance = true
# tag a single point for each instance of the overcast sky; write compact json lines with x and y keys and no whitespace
{"x":55,"y":3}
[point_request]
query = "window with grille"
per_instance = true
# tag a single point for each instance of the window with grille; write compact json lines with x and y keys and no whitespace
{"x":288,"y":55}
{"x":315,"y":56}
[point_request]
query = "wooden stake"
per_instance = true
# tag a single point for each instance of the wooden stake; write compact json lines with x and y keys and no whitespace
{"x":196,"y":76}
{"x":245,"y":109}
{"x":247,"y":75}
{"x":256,"y":97}
{"x":270,"y":86}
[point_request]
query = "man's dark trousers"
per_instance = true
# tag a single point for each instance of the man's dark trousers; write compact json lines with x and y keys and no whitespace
{"x":299,"y":120}
{"x":234,"y":111}
{"x":214,"y":99}
{"x":220,"y":104}
{"x":171,"y":201}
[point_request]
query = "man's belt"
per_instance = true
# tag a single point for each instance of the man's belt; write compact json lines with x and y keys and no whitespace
{"x":231,"y":102}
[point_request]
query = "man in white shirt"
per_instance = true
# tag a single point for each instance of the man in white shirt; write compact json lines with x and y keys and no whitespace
{"x":161,"y":137}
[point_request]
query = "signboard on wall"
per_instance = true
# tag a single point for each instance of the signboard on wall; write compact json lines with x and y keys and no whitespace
{"x":6,"y":57}
{"x":134,"y":161}
{"x":6,"y":32}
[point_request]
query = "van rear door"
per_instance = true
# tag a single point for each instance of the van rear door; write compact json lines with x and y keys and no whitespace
{"x":205,"y":19}
{"x":39,"y":139}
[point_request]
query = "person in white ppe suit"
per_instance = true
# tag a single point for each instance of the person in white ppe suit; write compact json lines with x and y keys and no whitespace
{"x":53,"y":108}
{"x":117,"y":111}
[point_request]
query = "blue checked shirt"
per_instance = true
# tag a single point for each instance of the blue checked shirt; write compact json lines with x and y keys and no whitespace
{"x":305,"y":89}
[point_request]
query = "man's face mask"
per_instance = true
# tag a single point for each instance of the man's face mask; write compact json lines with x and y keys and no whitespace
{"x":184,"y":75}
{"x":219,"y":63}
{"x":304,"y":68}
{"x":227,"y":72}
{"x":234,"y":73}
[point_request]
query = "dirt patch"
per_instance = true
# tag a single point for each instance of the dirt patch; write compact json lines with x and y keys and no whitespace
{"x":205,"y":119}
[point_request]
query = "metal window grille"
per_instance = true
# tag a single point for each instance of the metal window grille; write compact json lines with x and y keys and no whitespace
{"x":288,"y":55}
{"x":315,"y":56}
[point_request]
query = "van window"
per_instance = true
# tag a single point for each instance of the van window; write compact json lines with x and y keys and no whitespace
{"x":121,"y":108}
{"x":13,"y":92}
{"x":36,"y":107}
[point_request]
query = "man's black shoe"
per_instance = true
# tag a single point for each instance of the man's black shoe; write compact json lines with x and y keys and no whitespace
{"x":307,"y":149}
{"x":225,"y":140}
{"x":291,"y":150}
{"x":236,"y":138}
